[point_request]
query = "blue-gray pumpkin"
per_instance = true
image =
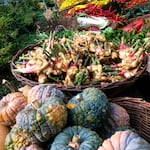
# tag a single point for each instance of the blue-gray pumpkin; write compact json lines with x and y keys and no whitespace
{"x":76,"y":138}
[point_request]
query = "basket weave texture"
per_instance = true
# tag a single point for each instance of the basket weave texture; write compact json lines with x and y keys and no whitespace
{"x":110,"y":88}
{"x":145,"y":17}
{"x":139,"y":111}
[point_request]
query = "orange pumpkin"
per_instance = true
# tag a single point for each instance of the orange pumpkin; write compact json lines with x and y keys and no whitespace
{"x":10,"y":105}
{"x":3,"y":133}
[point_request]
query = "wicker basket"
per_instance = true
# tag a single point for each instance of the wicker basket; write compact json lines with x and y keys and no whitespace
{"x":110,"y":88}
{"x":145,"y":17}
{"x":139,"y":111}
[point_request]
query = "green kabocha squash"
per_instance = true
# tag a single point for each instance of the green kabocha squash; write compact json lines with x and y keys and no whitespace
{"x":17,"y":139}
{"x":125,"y":140}
{"x":41,"y":120}
{"x":76,"y":138}
{"x":88,"y":108}
{"x":43,"y":91}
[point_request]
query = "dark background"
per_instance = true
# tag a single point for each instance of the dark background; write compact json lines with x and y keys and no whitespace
{"x":139,"y":89}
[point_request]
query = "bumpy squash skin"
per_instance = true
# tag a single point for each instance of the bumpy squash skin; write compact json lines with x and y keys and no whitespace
{"x":32,"y":147}
{"x":10,"y":105}
{"x":40,"y":121}
{"x":90,"y":108}
{"x":22,"y":140}
{"x":44,"y":91}
{"x":125,"y":140}
{"x":3,"y":133}
{"x":88,"y":139}
{"x":17,"y":139}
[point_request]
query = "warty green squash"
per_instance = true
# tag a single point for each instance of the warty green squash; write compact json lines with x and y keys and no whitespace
{"x":18,"y":138}
{"x":41,"y":120}
{"x":88,"y":108}
{"x":23,"y":140}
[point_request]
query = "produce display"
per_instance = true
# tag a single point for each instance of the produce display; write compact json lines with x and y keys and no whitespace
{"x":49,"y":123}
{"x":104,"y":47}
{"x":72,"y":59}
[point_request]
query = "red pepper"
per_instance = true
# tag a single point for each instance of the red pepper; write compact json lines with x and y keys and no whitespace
{"x":138,"y":24}
{"x":97,"y":11}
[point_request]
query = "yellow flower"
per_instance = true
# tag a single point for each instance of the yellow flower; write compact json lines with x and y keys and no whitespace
{"x":71,"y":3}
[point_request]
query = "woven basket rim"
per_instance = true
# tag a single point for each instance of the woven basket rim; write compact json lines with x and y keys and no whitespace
{"x":108,"y":86}
{"x":139,"y":112}
{"x":145,"y":17}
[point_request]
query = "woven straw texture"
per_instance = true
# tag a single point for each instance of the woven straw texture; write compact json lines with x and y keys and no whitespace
{"x":139,"y":111}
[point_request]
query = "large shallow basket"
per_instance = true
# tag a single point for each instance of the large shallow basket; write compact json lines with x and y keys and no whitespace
{"x":110,"y":88}
{"x":139,"y":111}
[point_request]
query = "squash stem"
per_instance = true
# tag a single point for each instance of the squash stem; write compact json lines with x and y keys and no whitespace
{"x":36,"y":104}
{"x":76,"y":139}
{"x":9,"y":85}
{"x":75,"y":142}
{"x":79,"y":98}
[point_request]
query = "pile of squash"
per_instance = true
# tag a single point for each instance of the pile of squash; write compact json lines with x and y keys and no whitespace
{"x":42,"y":118}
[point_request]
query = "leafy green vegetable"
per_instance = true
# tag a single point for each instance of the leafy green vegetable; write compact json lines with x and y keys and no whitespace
{"x":81,"y":78}
{"x":65,"y":33}
{"x":132,"y":38}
